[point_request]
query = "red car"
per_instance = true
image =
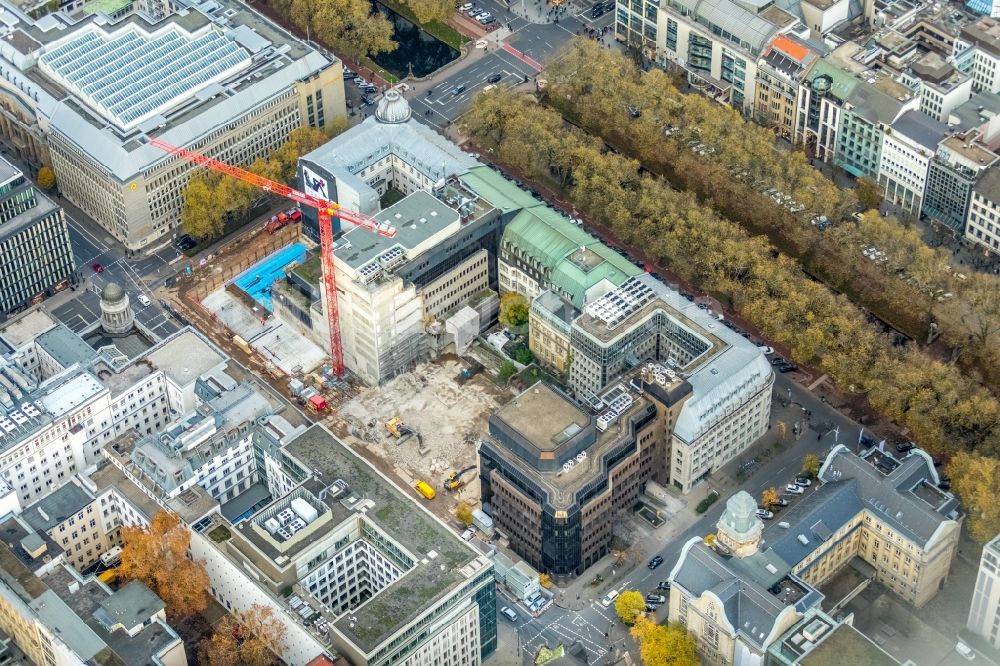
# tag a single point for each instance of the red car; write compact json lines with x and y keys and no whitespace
{"x":98,"y":268}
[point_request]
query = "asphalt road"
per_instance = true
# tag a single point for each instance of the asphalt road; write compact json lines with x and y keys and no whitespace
{"x":443,"y":105}
{"x":136,"y":275}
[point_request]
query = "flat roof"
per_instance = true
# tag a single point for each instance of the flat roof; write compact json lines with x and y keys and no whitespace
{"x":131,"y":74}
{"x":417,"y":219}
{"x":443,"y":559}
{"x":71,"y":393}
{"x":8,"y":171}
{"x":971,"y":150}
{"x":185,"y":356}
{"x":27,"y":326}
{"x":847,"y":645}
{"x":103,"y":106}
{"x":543,"y":417}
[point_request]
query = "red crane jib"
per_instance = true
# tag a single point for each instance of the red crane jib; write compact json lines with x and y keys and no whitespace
{"x":326,"y":210}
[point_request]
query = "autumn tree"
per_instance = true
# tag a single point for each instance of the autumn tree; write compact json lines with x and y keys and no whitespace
{"x":869,"y":193}
{"x":629,"y":605}
{"x":976,"y":480}
{"x":769,"y":497}
{"x":810,"y":465}
{"x":252,"y":638}
{"x":463,"y":512}
{"x":513,"y":309}
{"x":46,"y":178}
{"x":664,"y":645}
{"x":352,"y":26}
{"x":158,"y":556}
{"x":202,"y":215}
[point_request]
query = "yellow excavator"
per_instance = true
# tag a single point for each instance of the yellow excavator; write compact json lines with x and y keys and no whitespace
{"x":403,"y":432}
{"x":454,"y":481}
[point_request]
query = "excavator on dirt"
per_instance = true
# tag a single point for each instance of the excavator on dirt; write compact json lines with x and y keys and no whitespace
{"x":454,"y":481}
{"x":403,"y":432}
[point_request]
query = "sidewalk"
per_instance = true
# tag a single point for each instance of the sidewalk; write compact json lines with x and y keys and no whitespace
{"x":580,"y":592}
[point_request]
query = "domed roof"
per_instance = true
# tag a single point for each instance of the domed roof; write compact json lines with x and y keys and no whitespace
{"x":392,"y":108}
{"x":740,"y":516}
{"x":112,"y":293}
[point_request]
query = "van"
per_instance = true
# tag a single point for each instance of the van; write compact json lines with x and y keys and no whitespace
{"x":425,"y":489}
{"x":509,"y":614}
{"x":609,"y":598}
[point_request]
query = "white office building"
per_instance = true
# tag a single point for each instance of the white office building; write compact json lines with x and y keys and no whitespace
{"x":977,"y":53}
{"x":731,"y":380}
{"x":213,"y":76}
{"x":907,"y":151}
{"x":984,"y":614}
{"x":982,"y":227}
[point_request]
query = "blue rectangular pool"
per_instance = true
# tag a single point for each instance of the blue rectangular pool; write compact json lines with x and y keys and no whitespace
{"x":256,"y":280}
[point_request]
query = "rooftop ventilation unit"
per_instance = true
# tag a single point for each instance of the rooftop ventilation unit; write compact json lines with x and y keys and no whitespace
{"x":803,"y":539}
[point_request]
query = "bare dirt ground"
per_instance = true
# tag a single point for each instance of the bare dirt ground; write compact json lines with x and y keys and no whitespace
{"x":449,"y":412}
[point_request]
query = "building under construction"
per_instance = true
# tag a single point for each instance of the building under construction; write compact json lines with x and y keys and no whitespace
{"x":402,"y":299}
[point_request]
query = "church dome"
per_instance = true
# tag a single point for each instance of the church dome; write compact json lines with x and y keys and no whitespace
{"x":112,"y":293}
{"x":392,"y":108}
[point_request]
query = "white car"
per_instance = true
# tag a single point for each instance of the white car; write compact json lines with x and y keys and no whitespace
{"x":144,"y":299}
{"x":803,"y":481}
{"x":794,"y":489}
{"x":466,"y":7}
{"x":965,"y":651}
{"x":764,"y":515}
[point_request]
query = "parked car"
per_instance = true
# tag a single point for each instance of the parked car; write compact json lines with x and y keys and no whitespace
{"x":965,"y":651}
{"x":782,"y":502}
{"x":144,"y":299}
{"x":458,"y":90}
{"x":609,"y":598}
{"x":655,"y":562}
{"x":766,"y":349}
{"x":904,"y":447}
{"x":794,"y":489}
{"x":655,"y":598}
{"x":370,"y":89}
{"x":466,"y":7}
{"x":509,"y":614}
{"x":787,"y":367}
{"x":97,"y":267}
{"x":777,"y":360}
{"x":803,"y":481}
{"x":763,"y":514}
{"x":663,"y":585}
{"x":650,"y":608}
{"x":494,"y":78}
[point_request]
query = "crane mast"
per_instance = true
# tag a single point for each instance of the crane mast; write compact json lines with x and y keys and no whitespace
{"x":326,"y":211}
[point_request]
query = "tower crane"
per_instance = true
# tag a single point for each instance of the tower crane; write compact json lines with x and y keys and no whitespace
{"x":326,"y":210}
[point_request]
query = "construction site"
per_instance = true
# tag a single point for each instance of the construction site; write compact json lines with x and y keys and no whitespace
{"x":425,"y":426}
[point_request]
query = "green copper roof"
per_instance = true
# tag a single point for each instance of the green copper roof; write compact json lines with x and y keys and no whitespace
{"x":496,"y":189}
{"x":842,"y":83}
{"x":574,"y":260}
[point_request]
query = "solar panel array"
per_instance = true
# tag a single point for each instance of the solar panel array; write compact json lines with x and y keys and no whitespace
{"x":132,"y":75}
